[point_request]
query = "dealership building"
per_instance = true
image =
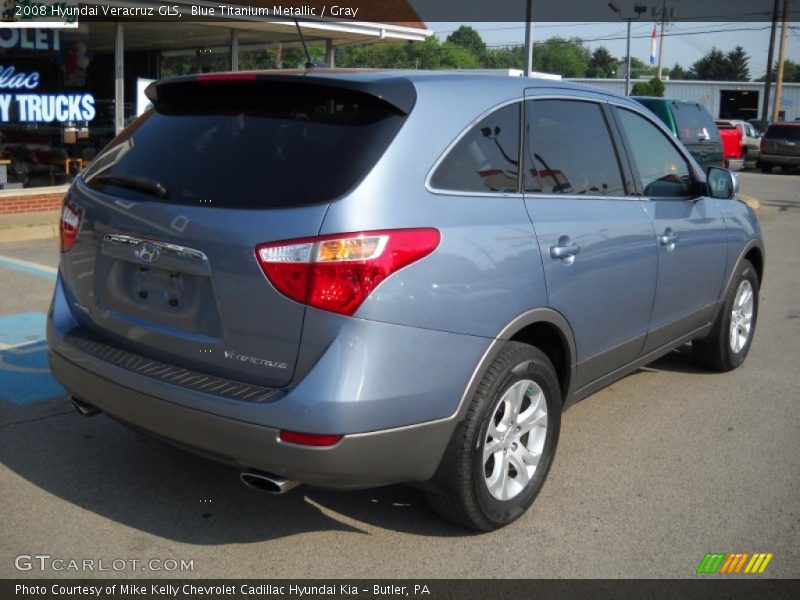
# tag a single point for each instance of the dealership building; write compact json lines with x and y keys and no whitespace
{"x":66,"y":91}
{"x":723,"y":99}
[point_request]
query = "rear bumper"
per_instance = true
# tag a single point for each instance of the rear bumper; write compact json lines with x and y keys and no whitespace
{"x":361,"y":460}
{"x":779,"y":159}
{"x":397,"y":416}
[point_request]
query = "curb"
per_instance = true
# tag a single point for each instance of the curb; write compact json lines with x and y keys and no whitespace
{"x":20,"y":227}
{"x":23,"y":234}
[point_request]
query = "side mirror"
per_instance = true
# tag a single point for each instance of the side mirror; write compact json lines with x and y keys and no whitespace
{"x":722,"y":183}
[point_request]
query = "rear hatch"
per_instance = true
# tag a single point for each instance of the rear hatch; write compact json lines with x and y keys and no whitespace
{"x":783,"y":140}
{"x":698,"y":132}
{"x":171,"y":211}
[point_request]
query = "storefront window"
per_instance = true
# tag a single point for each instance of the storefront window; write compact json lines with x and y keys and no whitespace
{"x":56,"y":102}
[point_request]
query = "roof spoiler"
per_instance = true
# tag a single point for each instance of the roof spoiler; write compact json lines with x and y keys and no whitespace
{"x":396,"y":91}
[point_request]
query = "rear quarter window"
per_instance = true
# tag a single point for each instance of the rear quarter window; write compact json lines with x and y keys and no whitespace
{"x":486,"y":158}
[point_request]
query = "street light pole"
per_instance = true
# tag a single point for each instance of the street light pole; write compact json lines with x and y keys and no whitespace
{"x":529,"y":39}
{"x":628,"y":62}
{"x":638,"y":9}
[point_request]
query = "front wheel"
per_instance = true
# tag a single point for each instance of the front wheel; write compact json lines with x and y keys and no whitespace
{"x":765,"y":167}
{"x":726,"y":347}
{"x":499,"y":456}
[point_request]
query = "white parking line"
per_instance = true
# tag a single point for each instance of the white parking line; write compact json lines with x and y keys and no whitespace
{"x":32,"y":265}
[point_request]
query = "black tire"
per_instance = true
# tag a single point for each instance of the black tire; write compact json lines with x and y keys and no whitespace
{"x":715,"y":351}
{"x":463,"y":495}
{"x":786,"y":168}
{"x":765,"y":167}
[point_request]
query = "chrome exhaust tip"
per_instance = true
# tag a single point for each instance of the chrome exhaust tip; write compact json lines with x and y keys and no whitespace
{"x":84,"y":410}
{"x":267,"y":482}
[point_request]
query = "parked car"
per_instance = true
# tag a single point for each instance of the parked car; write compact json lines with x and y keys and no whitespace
{"x":344,"y":279}
{"x":732,"y":146}
{"x":692,"y":125}
{"x":780,"y":146}
{"x":759,"y":125}
{"x":751,"y":139}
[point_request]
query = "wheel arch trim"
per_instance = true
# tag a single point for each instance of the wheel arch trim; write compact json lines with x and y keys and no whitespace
{"x":530,"y":317}
{"x":753,"y":243}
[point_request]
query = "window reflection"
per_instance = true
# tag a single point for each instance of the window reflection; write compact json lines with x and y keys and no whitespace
{"x":662,"y":170}
{"x":486,"y":158}
{"x":569,"y":150}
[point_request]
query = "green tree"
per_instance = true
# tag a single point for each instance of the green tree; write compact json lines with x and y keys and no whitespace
{"x":642,"y":88}
{"x":737,"y":65}
{"x":509,"y":57}
{"x":468,"y":38}
{"x":791,"y":72}
{"x":714,"y":66}
{"x":677,"y":72}
{"x":566,"y":57}
{"x":639,"y":68}
{"x":657,"y":87}
{"x":602,"y":64}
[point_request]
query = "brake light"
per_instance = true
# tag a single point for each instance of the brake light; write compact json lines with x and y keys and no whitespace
{"x":69,"y":225}
{"x":337,"y":272}
{"x":226,"y":77}
{"x":761,"y":143}
{"x":309,"y":439}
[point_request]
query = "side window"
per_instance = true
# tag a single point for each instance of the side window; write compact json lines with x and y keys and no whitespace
{"x":663,"y":171}
{"x":694,"y":123}
{"x":568,"y":150}
{"x":486,"y":159}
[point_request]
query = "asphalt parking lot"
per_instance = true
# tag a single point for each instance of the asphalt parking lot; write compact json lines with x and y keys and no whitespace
{"x":651,"y":473}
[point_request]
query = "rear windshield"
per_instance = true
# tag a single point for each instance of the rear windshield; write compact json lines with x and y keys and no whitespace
{"x":783,"y":132}
{"x":694,"y":123}
{"x":254,"y":145}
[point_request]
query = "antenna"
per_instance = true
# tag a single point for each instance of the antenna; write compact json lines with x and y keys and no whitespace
{"x":310,"y":64}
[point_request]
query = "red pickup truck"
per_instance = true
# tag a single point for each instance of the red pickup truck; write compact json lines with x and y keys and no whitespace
{"x":732,"y":142}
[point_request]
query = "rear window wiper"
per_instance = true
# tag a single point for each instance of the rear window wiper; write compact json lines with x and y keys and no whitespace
{"x":139,"y":184}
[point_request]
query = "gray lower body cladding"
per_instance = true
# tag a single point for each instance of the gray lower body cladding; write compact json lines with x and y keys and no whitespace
{"x":405,"y":454}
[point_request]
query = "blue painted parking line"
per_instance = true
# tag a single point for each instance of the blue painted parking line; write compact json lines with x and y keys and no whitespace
{"x":24,"y":375}
{"x":28,"y":267}
{"x":23,"y":328}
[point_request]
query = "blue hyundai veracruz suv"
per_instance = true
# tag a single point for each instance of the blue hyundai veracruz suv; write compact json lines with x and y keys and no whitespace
{"x":351,"y":279}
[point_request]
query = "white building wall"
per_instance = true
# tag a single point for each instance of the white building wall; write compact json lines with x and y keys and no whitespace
{"x":707,"y":93}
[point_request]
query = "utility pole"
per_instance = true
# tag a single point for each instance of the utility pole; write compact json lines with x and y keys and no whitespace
{"x":776,"y":107}
{"x":768,"y":78}
{"x":638,"y":9}
{"x":528,"y":39}
{"x":661,"y":38}
{"x":628,"y":62}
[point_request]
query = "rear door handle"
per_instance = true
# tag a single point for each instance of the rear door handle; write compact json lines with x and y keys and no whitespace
{"x":565,"y":249}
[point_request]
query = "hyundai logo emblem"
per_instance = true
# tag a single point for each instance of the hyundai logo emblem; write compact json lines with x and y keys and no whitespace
{"x":147,"y":252}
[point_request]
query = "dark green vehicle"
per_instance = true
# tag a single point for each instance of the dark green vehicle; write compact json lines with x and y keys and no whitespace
{"x":692,"y":125}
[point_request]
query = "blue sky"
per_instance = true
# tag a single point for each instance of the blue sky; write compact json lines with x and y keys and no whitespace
{"x":684,"y":49}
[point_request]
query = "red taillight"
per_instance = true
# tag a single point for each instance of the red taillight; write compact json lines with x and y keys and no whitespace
{"x":338,"y":272}
{"x":309,"y":439}
{"x":761,"y":143}
{"x":225,"y":77}
{"x":69,"y":226}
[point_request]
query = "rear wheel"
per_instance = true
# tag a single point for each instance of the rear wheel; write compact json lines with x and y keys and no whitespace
{"x":765,"y":167}
{"x":726,"y":347}
{"x":499,"y":456}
